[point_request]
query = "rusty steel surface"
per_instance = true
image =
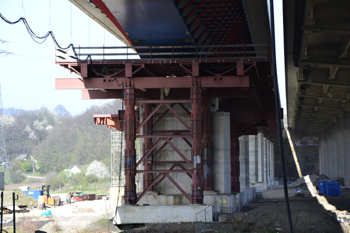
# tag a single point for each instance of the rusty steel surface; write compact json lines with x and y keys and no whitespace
{"x":207,"y":145}
{"x":196,"y":151}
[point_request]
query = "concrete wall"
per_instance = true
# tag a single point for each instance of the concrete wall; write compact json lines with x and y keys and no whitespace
{"x":221,"y":152}
{"x":161,"y":214}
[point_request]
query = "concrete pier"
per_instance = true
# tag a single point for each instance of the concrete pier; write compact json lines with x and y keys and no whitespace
{"x":244,"y":162}
{"x":253,"y":159}
{"x":221,"y":152}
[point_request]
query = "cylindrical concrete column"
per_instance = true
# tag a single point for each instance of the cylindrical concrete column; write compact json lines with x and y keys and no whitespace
{"x":221,"y":152}
{"x":268,"y":155}
{"x":260,"y":137}
{"x":253,"y":158}
{"x":320,"y":154}
{"x":340,"y":147}
{"x":272,"y":166}
{"x":265,"y":159}
{"x":329,"y":152}
{"x":346,"y":133}
{"x":334,"y":154}
{"x":244,"y":162}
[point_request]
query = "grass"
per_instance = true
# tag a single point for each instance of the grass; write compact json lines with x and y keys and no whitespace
{"x":55,"y":227}
{"x":28,"y":225}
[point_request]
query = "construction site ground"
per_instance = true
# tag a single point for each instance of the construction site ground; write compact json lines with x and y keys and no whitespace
{"x":261,"y":215}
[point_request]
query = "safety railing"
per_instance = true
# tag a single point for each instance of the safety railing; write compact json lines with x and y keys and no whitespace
{"x":173,"y":52}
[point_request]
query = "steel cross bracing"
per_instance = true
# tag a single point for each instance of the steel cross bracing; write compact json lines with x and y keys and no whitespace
{"x":163,"y":135}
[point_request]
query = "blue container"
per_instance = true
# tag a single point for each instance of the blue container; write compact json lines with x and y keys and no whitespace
{"x":322,"y":186}
{"x":333,"y":189}
{"x":34,"y":193}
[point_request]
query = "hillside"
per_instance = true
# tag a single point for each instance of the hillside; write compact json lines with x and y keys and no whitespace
{"x":55,"y":138}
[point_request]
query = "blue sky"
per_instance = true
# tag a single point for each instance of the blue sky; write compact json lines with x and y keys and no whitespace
{"x":27,"y":75}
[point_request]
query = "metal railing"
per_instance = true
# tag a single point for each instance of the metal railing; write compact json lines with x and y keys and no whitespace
{"x":173,"y":52}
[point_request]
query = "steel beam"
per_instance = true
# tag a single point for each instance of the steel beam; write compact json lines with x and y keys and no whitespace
{"x":234,"y":159}
{"x":130,"y":152}
{"x":196,"y":151}
{"x":152,"y":82}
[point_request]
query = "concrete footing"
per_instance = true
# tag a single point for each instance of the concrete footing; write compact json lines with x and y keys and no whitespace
{"x":130,"y":214}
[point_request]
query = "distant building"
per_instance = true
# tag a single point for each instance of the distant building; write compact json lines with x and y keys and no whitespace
{"x":21,"y":157}
{"x":75,"y":168}
{"x":5,"y":164}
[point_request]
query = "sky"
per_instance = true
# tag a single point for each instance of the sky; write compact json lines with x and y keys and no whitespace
{"x":27,"y":75}
{"x":28,"y":69}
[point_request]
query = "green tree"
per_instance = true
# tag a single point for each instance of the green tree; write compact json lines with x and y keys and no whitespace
{"x":27,"y":166}
{"x":16,"y":172}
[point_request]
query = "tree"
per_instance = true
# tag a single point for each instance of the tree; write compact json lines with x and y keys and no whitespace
{"x":16,"y":172}
{"x":61,"y":111}
{"x":27,"y":166}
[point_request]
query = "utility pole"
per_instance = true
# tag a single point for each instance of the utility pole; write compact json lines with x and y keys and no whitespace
{"x":4,"y":159}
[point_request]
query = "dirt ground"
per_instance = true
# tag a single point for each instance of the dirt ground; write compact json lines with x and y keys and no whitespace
{"x":261,"y":215}
{"x":269,"y":215}
{"x":86,"y":216}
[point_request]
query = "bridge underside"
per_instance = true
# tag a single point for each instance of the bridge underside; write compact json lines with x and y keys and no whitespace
{"x":201,"y":85}
{"x":318,"y":84}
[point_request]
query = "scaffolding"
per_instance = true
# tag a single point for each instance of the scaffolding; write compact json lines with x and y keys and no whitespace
{"x":4,"y":159}
{"x":117,"y":158}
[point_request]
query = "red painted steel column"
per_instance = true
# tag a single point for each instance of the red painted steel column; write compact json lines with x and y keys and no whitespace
{"x":147,"y":145}
{"x":207,"y":147}
{"x":196,"y":152}
{"x":235,"y":185}
{"x":130,"y":152}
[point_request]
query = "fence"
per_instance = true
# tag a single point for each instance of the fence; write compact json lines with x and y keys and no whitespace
{"x":229,"y":204}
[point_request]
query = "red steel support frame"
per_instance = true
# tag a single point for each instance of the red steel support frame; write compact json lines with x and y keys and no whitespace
{"x":196,"y":152}
{"x":207,"y":147}
{"x":235,"y":185}
{"x":147,"y":145}
{"x":130,"y":152}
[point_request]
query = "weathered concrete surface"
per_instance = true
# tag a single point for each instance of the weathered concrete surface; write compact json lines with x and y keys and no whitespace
{"x":161,"y":214}
{"x":253,"y":159}
{"x":260,"y":158}
{"x":155,"y":199}
{"x":221,"y":152}
{"x":244,"y":162}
